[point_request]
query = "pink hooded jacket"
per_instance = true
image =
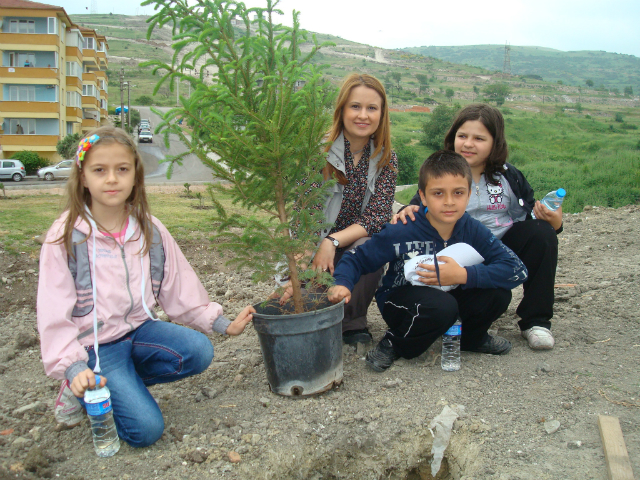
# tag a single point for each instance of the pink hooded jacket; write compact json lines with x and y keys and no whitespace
{"x":118,"y":276}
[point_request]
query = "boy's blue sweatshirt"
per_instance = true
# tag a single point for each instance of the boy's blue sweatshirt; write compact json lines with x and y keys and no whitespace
{"x":501,"y":268}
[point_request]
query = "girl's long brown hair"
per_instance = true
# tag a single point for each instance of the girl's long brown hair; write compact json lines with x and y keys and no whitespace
{"x":78,"y":196}
{"x":381,"y":137}
{"x":493,"y":121}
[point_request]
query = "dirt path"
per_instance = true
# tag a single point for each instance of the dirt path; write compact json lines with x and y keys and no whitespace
{"x":376,"y":425}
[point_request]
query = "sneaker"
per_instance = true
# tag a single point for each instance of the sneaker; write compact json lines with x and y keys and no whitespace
{"x":381,"y":356}
{"x":495,"y":345}
{"x":67,"y":411}
{"x":539,"y":338}
{"x":351,"y":337}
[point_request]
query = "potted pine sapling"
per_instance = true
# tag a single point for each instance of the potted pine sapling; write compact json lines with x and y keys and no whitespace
{"x":259,"y":111}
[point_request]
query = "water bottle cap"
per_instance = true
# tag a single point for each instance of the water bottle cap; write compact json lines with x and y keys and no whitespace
{"x":98,"y":379}
{"x":561,"y":192}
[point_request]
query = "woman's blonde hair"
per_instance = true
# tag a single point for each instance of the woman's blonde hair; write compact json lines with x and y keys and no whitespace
{"x":381,"y":137}
{"x":78,"y":195}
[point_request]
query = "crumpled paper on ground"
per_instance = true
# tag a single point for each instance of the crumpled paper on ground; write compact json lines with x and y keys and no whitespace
{"x":442,"y":424}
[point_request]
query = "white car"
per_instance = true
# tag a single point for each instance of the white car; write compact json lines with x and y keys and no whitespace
{"x":145,"y":136}
{"x":61,"y":170}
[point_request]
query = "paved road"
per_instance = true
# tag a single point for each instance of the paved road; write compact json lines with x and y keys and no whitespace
{"x":192,"y":169}
{"x":152,"y":154}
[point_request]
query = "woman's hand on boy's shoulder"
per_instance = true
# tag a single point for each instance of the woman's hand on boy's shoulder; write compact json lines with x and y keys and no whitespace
{"x":407,"y":212}
{"x":554,"y":217}
{"x":85,"y":380}
{"x":242,"y":320}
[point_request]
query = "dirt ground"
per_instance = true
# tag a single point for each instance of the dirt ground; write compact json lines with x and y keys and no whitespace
{"x":375,"y":426}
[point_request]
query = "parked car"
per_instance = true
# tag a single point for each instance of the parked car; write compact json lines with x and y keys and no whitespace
{"x":145,"y":136}
{"x":13,"y":169}
{"x":61,"y":170}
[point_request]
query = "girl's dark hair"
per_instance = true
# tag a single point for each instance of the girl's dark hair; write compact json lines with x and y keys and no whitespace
{"x":441,"y":163}
{"x":492,"y":120}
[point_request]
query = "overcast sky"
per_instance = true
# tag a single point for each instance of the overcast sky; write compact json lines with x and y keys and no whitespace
{"x":566,"y":25}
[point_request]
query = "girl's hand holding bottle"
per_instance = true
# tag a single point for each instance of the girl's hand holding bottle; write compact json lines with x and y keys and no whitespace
{"x":554,"y":217}
{"x":242,"y":320}
{"x":85,"y":380}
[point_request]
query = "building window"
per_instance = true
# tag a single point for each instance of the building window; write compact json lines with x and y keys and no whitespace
{"x":22,"y":93}
{"x":89,"y":43}
{"x":52,"y":25}
{"x":22,"y":26}
{"x":22,"y":126}
{"x":74,"y":69}
{"x":74,"y":99}
{"x":89,"y":90}
{"x":18,"y":59}
{"x":69,"y":128}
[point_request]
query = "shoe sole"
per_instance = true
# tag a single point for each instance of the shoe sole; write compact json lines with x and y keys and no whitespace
{"x":374,"y":367}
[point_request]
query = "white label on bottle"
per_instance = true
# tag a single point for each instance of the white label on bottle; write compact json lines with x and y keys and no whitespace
{"x":454,"y":330}
{"x":100,"y":408}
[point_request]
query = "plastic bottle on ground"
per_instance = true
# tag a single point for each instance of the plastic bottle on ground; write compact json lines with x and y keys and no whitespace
{"x":450,"y":359}
{"x":105,"y":436}
{"x":552,"y":200}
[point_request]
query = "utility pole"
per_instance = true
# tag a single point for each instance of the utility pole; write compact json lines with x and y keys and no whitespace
{"x":122,"y":98}
{"x":129,"y":106}
{"x":506,"y":65}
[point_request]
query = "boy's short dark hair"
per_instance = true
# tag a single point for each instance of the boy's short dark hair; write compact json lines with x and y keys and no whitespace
{"x":441,"y":163}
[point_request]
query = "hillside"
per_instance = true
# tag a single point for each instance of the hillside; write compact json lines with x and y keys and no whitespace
{"x":611,"y":70}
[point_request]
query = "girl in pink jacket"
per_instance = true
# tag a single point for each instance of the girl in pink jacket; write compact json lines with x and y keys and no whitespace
{"x":105,"y":264}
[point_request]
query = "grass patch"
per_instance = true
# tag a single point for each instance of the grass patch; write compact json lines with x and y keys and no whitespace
{"x":24,"y":217}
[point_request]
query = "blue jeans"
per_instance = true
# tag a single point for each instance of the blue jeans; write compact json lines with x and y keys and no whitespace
{"x":155,"y":352}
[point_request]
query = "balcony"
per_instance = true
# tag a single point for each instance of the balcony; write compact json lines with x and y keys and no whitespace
{"x":74,"y":52}
{"x":90,"y":102}
{"x":9,"y":41}
{"x":74,"y":82}
{"x":88,"y":123}
{"x":19,"y":109}
{"x":74,"y":114}
{"x":13,"y":73}
{"x":90,"y":77}
{"x":34,"y":142}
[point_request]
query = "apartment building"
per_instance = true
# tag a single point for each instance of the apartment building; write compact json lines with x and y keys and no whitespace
{"x":53,"y":78}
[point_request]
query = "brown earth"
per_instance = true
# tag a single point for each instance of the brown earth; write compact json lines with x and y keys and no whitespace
{"x":375,"y":426}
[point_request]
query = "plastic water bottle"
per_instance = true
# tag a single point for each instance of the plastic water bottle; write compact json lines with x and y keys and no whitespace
{"x":105,"y":436}
{"x":450,"y":359}
{"x":552,"y":200}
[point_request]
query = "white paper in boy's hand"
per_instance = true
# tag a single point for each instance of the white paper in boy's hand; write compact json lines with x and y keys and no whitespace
{"x":463,"y":253}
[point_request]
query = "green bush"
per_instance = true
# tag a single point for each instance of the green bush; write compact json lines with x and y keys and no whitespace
{"x":408,"y":164}
{"x":67,"y":147}
{"x":144,"y":100}
{"x":31,"y":160}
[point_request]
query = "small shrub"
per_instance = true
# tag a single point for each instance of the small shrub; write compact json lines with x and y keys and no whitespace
{"x":187,"y":190}
{"x":144,"y":100}
{"x":628,"y":126}
{"x":619,"y":118}
{"x":67,"y":147}
{"x":31,"y":160}
{"x":408,"y":164}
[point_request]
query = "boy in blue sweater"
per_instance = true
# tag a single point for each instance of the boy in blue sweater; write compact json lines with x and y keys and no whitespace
{"x":418,"y":315}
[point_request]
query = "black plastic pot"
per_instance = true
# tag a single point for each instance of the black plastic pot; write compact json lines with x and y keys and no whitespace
{"x":302,"y":352}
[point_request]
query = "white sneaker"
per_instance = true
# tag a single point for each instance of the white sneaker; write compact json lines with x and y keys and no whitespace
{"x":68,"y":411}
{"x":539,"y":338}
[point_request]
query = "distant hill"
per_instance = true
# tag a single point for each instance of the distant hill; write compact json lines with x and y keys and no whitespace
{"x":573,"y":68}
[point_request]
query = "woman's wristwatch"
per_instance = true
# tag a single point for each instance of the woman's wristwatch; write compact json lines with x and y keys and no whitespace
{"x":335,"y":242}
